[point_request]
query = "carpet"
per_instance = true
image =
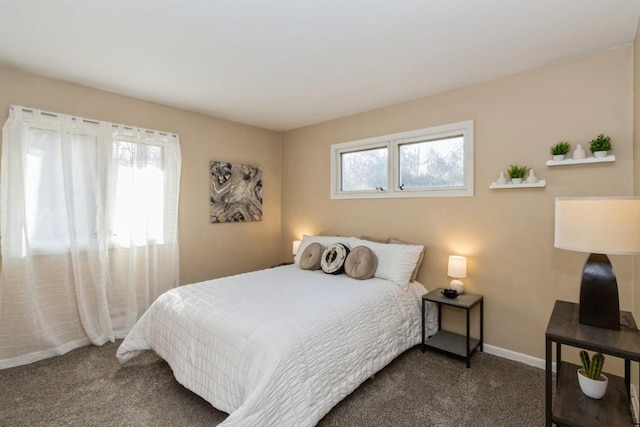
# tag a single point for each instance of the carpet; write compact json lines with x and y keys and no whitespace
{"x":88,"y":387}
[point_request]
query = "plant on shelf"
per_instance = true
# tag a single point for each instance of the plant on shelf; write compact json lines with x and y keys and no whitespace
{"x":592,"y":367}
{"x":600,"y":145}
{"x":516,"y":173}
{"x":560,"y":149}
{"x":590,"y":377}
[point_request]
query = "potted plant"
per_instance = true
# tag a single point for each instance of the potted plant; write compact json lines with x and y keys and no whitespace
{"x":560,"y":149}
{"x":516,"y":173}
{"x":600,"y":145}
{"x":592,"y":382}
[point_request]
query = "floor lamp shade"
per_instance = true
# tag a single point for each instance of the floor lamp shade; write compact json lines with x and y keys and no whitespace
{"x":600,"y":226}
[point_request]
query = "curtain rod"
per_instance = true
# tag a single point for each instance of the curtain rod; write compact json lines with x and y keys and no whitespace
{"x":95,"y":122}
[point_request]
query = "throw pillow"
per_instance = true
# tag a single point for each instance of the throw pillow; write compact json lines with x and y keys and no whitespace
{"x":311,"y":256}
{"x":333,"y":258}
{"x":361,"y":263}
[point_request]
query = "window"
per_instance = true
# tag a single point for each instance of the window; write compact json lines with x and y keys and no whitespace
{"x":89,"y":184}
{"x":59,"y":209}
{"x":432,"y":162}
{"x":88,"y":231}
{"x":364,"y":169}
{"x":138,"y":210}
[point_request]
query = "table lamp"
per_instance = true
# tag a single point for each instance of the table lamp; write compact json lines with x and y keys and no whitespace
{"x":458,"y":270}
{"x":598,"y":226}
{"x":295,"y":246}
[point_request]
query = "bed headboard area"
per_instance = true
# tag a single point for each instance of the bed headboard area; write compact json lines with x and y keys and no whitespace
{"x":361,"y":257}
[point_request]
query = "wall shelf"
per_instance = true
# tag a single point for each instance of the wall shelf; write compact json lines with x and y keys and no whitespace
{"x":566,"y":162}
{"x":510,"y":186}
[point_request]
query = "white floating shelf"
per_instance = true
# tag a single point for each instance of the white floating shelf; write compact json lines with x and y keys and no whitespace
{"x":510,"y":186}
{"x":565,"y":162}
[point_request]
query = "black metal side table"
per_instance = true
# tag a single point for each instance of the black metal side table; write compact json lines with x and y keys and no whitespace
{"x":461,"y":346}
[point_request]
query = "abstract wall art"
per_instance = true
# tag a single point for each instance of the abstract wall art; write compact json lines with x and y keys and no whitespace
{"x":235,"y":192}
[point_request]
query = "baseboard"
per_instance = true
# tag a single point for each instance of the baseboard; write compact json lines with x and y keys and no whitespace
{"x":518,"y":357}
{"x":540,"y":363}
{"x":634,"y":405}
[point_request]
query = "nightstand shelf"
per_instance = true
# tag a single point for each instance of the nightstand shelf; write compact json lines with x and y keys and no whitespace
{"x":452,"y":343}
{"x":457,"y":345}
{"x":571,"y":407}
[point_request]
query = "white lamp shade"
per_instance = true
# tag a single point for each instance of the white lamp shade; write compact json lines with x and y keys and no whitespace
{"x":601,"y":225}
{"x":457,"y":267}
{"x":296,"y":245}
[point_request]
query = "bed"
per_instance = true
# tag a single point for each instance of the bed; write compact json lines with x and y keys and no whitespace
{"x":281,"y":346}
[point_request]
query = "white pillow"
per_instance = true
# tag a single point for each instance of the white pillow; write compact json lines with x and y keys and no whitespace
{"x":395,"y":262}
{"x":323,"y":240}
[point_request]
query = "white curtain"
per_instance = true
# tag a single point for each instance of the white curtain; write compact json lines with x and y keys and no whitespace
{"x":88,"y":230}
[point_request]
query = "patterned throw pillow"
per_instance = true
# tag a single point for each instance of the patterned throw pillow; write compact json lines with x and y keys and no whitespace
{"x":333,"y":258}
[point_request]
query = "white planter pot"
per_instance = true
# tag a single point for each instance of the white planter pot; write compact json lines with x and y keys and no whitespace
{"x":600,"y":154}
{"x":558,"y":157}
{"x":516,"y":180}
{"x":595,"y":389}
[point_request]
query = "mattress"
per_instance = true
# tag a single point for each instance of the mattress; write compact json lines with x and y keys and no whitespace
{"x":282,"y":346}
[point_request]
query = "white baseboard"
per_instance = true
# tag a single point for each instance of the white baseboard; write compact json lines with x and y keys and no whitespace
{"x":540,"y":363}
{"x":518,"y":357}
{"x":634,"y":405}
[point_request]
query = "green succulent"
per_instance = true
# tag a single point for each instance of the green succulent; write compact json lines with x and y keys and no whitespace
{"x":561,"y":147}
{"x":592,"y":367}
{"x":516,"y":171}
{"x":601,"y":143}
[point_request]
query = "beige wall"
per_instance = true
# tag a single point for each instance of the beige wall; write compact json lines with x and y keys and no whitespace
{"x":206,"y":250}
{"x":506,"y":234}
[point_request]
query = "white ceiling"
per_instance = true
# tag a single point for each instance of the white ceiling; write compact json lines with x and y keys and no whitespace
{"x":283,"y":64}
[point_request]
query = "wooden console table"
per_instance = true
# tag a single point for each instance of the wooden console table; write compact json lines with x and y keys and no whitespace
{"x":571,"y":407}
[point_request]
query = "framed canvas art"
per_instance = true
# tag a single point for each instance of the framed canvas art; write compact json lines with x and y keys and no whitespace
{"x":235,"y":192}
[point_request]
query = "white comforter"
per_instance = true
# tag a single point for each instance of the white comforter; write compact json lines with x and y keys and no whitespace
{"x":279,"y":347}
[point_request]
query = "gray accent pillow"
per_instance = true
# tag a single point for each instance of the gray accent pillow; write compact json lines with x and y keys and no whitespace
{"x":361,"y":263}
{"x":311,"y":257}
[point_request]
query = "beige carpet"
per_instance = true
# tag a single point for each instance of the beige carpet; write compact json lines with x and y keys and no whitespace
{"x":88,"y":387}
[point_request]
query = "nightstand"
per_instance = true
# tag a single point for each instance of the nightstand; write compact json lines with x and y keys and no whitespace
{"x":571,"y":407}
{"x":461,"y":346}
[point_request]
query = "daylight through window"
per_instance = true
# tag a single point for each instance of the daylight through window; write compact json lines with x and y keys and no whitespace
{"x":85,"y":181}
{"x":431,"y":162}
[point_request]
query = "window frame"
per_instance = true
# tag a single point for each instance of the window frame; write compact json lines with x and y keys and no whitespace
{"x":393,"y":142}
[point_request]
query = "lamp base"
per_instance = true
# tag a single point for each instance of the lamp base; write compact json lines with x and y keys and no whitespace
{"x":599,"y":300}
{"x":457,"y":285}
